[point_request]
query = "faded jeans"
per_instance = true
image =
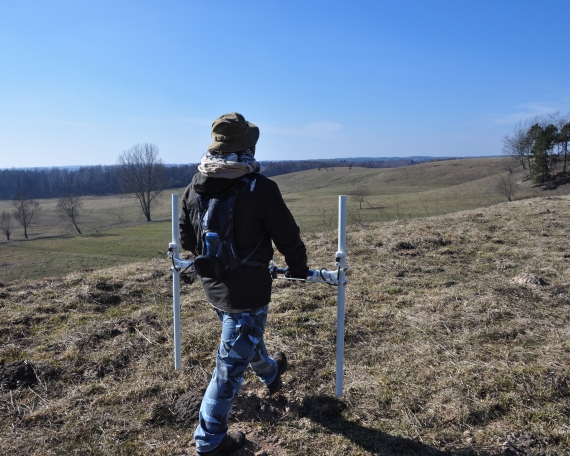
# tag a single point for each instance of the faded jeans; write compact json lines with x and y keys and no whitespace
{"x":241,"y":345}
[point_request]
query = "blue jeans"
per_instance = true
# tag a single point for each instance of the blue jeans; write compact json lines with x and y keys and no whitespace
{"x":241,"y":345}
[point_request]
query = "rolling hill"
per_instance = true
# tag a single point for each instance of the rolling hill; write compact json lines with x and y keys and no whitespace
{"x":114,"y":232}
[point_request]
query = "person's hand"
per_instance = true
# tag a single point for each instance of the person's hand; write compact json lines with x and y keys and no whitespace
{"x":302,"y":274}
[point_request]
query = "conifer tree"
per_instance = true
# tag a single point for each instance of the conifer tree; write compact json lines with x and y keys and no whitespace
{"x":543,"y":139}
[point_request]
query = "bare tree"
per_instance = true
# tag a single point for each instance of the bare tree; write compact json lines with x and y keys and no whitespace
{"x":142,"y":174}
{"x":510,"y":164}
{"x":6,"y":224}
{"x":519,"y":145}
{"x":360,"y":194}
{"x":26,"y":211}
{"x":506,"y":186}
{"x":70,"y":207}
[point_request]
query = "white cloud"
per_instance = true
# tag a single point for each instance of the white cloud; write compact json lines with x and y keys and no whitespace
{"x":526,"y":111}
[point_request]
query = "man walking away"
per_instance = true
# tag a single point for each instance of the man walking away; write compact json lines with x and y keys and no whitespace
{"x":230,"y":215}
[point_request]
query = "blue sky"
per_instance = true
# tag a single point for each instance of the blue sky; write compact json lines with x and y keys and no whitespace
{"x":80,"y":82}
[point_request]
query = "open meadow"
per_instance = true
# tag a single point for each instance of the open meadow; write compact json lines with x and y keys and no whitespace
{"x":115,"y":232}
{"x":457,"y":343}
{"x":422,"y":190}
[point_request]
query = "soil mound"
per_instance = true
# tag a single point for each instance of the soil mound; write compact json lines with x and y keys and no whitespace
{"x":529,"y":279}
{"x":17,"y":374}
{"x":187,"y":406}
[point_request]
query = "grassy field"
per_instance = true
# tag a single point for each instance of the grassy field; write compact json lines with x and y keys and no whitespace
{"x":422,"y":190}
{"x":99,"y":213}
{"x":115,"y":233}
{"x":58,"y":255}
{"x":457,"y":343}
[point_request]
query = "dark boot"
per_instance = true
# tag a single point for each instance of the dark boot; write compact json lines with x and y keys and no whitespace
{"x":281,"y":360}
{"x":232,"y":442}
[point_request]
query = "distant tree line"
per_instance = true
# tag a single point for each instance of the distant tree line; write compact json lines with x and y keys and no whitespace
{"x":38,"y":183}
{"x":97,"y":180}
{"x":540,"y":146}
{"x":276,"y":168}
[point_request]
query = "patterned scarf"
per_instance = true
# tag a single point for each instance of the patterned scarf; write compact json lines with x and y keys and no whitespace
{"x":230,"y":166}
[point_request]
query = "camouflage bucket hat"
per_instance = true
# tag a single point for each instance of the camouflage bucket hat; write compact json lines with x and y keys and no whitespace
{"x":232,"y":133}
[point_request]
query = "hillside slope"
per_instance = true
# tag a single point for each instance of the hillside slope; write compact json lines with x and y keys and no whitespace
{"x":457,"y":342}
{"x":421,"y":190}
{"x":416,"y":178}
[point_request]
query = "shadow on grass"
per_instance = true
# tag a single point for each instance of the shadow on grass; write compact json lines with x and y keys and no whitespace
{"x":560,"y":179}
{"x":327,"y":411}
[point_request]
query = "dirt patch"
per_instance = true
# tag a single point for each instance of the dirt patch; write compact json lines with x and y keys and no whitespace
{"x":258,"y":406}
{"x":529,"y":279}
{"x":260,"y":442}
{"x":322,"y":409}
{"x":403,"y":245}
{"x":187,"y":407}
{"x":103,"y":285}
{"x":94,"y":373}
{"x":160,"y":414}
{"x":249,"y":405}
{"x":17,"y":374}
{"x":525,"y":444}
{"x":106,"y":299}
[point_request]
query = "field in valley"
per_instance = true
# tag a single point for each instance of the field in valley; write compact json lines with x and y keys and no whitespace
{"x":115,"y":233}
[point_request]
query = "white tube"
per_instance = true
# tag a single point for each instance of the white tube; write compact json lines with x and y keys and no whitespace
{"x":176,"y":285}
{"x":341,"y":264}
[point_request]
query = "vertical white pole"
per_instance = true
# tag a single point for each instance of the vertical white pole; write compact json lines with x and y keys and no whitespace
{"x":176,"y":286}
{"x":341,"y":263}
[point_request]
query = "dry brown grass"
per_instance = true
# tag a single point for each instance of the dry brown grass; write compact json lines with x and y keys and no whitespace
{"x":446,"y":353}
{"x":422,"y":190}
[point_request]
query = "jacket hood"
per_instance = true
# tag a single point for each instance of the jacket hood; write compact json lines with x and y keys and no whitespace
{"x":212,"y":185}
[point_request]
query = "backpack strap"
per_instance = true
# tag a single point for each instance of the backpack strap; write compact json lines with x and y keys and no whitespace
{"x":249,"y":181}
{"x":242,"y":184}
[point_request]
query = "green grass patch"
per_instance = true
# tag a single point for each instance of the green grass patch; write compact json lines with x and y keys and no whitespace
{"x":56,"y":256}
